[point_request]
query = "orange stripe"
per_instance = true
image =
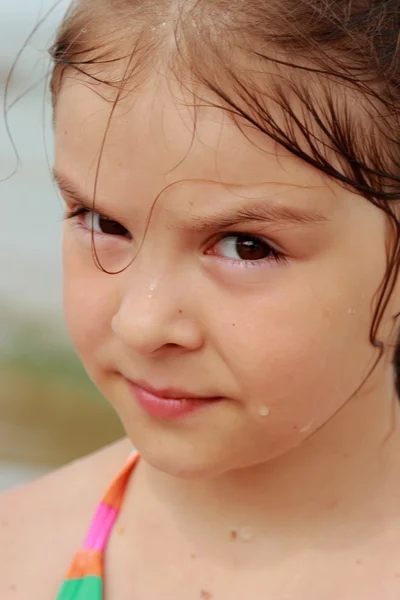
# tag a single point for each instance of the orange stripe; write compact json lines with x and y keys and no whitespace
{"x":115,"y":493}
{"x":86,"y":562}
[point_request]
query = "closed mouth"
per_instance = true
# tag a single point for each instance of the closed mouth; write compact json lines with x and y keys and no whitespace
{"x":171,"y":393}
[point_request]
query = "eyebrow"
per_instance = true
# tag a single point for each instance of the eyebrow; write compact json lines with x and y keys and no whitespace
{"x":257,"y":211}
{"x":70,"y":189}
{"x":260,"y":209}
{"x":66,"y":185}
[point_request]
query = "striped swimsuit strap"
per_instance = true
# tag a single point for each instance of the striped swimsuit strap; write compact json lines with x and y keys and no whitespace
{"x":85,"y":577}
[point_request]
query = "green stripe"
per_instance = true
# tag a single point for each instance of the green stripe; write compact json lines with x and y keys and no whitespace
{"x":88,"y":588}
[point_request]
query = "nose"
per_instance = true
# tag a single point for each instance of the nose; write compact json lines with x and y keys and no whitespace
{"x":156,"y":315}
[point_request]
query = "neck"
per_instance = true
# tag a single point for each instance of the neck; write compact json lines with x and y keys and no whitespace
{"x":346,"y":473}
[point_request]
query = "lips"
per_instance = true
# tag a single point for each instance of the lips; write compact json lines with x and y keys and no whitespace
{"x":171,"y":393}
{"x":168,"y":403}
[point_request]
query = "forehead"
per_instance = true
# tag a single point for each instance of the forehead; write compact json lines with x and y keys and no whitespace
{"x":158,"y":135}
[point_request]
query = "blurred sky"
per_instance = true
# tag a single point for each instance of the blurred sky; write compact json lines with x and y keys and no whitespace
{"x":31,"y":211}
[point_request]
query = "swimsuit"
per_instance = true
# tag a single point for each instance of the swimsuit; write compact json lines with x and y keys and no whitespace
{"x":85,"y":577}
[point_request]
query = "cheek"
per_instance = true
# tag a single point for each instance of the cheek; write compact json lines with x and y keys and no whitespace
{"x":88,"y":302}
{"x":296,"y":357}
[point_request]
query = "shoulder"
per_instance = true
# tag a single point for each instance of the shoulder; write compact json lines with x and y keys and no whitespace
{"x":44,"y":523}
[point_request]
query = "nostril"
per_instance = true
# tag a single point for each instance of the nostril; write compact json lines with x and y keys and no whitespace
{"x":171,"y":346}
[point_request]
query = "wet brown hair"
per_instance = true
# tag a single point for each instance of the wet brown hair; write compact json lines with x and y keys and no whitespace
{"x":320,"y":77}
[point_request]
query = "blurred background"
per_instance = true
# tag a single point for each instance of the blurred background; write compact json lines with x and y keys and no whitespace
{"x":50,"y":413}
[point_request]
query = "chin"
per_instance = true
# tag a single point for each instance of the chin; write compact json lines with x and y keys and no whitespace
{"x":191,"y":466}
{"x":201,"y":453}
{"x":181,"y":458}
{"x":184,"y":470}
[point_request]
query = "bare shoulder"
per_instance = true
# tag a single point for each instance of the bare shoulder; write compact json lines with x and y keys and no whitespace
{"x":43,"y":523}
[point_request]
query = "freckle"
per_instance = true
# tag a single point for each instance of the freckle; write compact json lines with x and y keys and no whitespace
{"x":332,"y":503}
{"x":180,"y":312}
{"x":233,"y":534}
{"x":192,"y":556}
{"x":359,"y":561}
{"x":13,"y":588}
{"x":205,"y":595}
{"x":233,"y":324}
{"x":345,"y":455}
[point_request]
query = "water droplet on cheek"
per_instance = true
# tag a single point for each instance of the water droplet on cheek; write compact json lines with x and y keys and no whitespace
{"x":245,"y":534}
{"x":307,"y":427}
{"x":263,"y":411}
{"x":151,"y":290}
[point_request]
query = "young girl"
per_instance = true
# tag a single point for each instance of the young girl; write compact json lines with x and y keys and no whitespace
{"x":231,"y":173}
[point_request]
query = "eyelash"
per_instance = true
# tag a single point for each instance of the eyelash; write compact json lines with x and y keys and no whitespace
{"x":274,"y":255}
{"x":82,"y":210}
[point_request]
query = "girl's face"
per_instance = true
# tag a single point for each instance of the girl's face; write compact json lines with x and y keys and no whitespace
{"x":252,"y":279}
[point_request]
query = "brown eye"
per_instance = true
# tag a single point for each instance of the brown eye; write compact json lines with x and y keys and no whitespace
{"x":99,"y":224}
{"x":251,"y":249}
{"x":245,"y":248}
